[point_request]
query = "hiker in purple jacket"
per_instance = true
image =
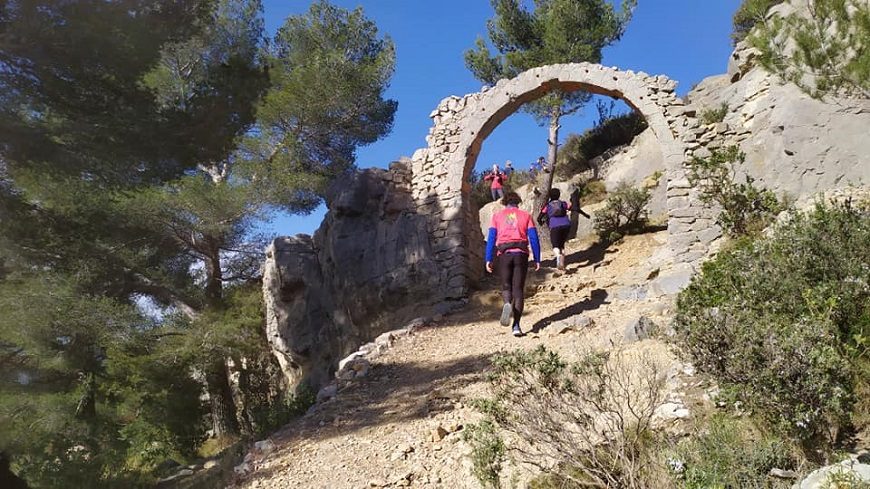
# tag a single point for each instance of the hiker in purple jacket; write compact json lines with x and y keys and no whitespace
{"x":555,"y":215}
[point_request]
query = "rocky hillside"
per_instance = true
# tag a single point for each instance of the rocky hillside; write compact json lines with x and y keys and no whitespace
{"x":397,"y":414}
{"x":393,"y":412}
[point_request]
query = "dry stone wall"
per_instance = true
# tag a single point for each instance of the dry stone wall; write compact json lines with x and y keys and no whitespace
{"x":441,"y":171}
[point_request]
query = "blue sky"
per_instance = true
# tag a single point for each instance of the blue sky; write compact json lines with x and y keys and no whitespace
{"x":687,"y":40}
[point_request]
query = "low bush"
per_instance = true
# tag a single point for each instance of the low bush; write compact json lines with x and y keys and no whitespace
{"x":583,"y":424}
{"x":729,"y":452}
{"x":624,"y":213}
{"x":783,"y":322}
{"x":713,"y":116}
{"x":592,"y":192}
{"x":744,"y":207}
{"x":487,"y":452}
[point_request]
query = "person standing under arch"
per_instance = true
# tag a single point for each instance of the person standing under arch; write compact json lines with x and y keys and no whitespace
{"x":497,"y":180}
{"x":511,"y":233}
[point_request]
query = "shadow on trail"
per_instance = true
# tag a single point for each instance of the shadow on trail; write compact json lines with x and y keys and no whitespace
{"x":596,"y":299}
{"x":592,"y":255}
{"x":391,"y":393}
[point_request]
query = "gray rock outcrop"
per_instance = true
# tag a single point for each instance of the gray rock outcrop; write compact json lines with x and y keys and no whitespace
{"x":369,"y":264}
{"x":794,"y":144}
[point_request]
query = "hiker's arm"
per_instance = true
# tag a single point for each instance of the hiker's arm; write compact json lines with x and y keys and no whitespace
{"x":536,"y":244}
{"x":541,"y":215}
{"x":490,"y":248}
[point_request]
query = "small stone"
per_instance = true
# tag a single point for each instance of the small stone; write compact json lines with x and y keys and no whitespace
{"x":672,"y":410}
{"x":639,"y":329}
{"x":783,"y":474}
{"x":438,"y":434}
{"x":210,"y":464}
{"x":327,"y":392}
{"x":264,"y":447}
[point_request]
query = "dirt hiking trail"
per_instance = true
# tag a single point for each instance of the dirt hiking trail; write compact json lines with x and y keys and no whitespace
{"x":402,"y":424}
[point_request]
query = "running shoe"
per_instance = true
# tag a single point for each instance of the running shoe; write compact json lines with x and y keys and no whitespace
{"x":506,"y":311}
{"x":517,"y":331}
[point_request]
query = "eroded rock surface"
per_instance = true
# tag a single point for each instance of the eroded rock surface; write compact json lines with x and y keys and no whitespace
{"x":369,"y":260}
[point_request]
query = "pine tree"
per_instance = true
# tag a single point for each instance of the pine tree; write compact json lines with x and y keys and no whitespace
{"x":824,"y":50}
{"x":556,"y":31}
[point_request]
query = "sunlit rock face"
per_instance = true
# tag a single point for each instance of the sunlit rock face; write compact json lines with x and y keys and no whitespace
{"x":369,"y":263}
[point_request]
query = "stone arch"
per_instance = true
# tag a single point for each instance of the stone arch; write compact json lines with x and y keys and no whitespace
{"x":440,"y":172}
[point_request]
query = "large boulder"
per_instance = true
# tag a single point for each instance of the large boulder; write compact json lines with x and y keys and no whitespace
{"x":368,"y":265}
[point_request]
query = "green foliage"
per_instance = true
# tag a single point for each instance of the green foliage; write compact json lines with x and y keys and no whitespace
{"x":624,"y":213}
{"x":783,"y":322}
{"x":729,"y":452}
{"x":579,"y":149}
{"x":133,"y":172}
{"x":744,"y":208}
{"x":488,"y":452}
{"x":68,"y":416}
{"x":72,"y":70}
{"x":329,"y":70}
{"x":592,"y":192}
{"x":713,"y":116}
{"x":825,"y":51}
{"x":559,"y":411}
{"x":748,"y":15}
{"x":845,"y":478}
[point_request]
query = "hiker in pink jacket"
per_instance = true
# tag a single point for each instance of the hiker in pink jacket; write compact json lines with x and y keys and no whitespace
{"x":497,"y":179}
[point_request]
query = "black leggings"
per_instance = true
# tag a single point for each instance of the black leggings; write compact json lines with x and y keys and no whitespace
{"x":558,"y":236}
{"x":512,"y":268}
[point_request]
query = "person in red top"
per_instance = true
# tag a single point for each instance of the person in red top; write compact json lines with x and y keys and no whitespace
{"x":512,"y":232}
{"x":497,"y":179}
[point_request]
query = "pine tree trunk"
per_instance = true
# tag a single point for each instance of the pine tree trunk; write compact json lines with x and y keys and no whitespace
{"x":552,"y":152}
{"x":223,"y":409}
{"x":552,"y":148}
{"x":214,"y":278}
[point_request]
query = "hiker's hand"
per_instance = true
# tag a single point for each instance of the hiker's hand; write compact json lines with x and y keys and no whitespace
{"x":537,"y":266}
{"x":489,"y":266}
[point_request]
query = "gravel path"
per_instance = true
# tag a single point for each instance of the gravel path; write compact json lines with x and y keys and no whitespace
{"x":402,"y":424}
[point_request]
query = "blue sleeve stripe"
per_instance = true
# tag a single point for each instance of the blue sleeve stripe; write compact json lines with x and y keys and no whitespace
{"x":490,"y":244}
{"x":536,"y":244}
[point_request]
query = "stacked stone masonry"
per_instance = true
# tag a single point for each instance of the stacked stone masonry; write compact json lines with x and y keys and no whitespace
{"x":441,"y":171}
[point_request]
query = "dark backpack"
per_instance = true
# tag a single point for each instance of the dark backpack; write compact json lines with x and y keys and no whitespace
{"x":556,"y":208}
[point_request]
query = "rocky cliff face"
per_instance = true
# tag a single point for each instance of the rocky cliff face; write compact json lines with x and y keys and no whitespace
{"x":795,"y":145}
{"x":370,"y":263}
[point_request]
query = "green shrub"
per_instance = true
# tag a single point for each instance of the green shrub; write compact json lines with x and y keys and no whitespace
{"x":578,"y":149}
{"x":783,"y":322}
{"x":750,"y":13}
{"x":585,"y":423}
{"x":487,"y":452}
{"x":713,"y":116}
{"x":624,"y":213}
{"x":592,"y":192}
{"x":745,"y":208}
{"x":728,"y":452}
